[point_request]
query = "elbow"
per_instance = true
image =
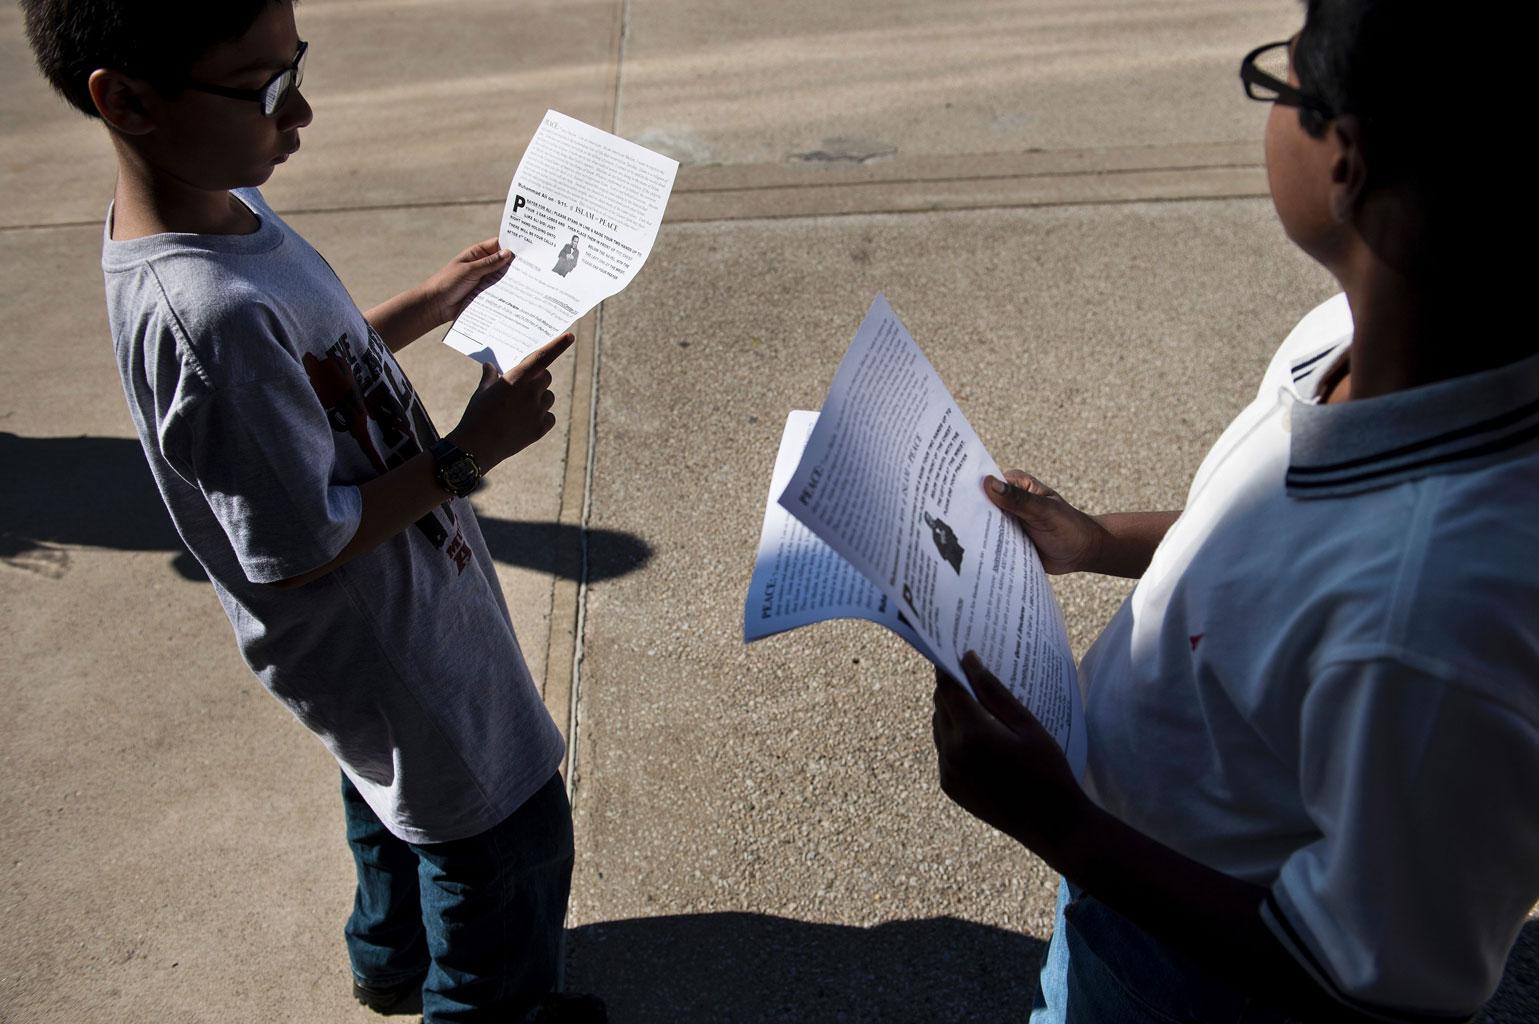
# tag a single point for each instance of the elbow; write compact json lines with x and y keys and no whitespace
{"x":294,"y":582}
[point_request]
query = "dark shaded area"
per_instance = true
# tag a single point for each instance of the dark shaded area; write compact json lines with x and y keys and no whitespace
{"x":756,"y":969}
{"x":87,"y":491}
{"x":744,"y":967}
{"x":1517,"y":999}
{"x":98,"y":492}
{"x":556,"y":548}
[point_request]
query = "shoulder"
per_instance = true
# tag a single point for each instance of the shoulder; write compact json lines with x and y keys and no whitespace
{"x":219,"y":320}
{"x":1473,"y":598}
{"x":1438,"y":574}
{"x":214,"y":307}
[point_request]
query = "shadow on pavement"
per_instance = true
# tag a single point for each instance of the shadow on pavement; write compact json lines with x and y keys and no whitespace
{"x":745,"y":967}
{"x":97,"y":492}
{"x":81,"y":491}
{"x":554,"y":548}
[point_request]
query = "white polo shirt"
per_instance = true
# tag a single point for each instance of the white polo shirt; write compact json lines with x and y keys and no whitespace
{"x":1328,"y":680}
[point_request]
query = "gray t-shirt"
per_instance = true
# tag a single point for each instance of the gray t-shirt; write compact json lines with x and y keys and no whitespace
{"x":263,"y":399}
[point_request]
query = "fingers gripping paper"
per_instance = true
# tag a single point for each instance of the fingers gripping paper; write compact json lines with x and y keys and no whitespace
{"x":877,"y":511}
{"x":580,"y":219}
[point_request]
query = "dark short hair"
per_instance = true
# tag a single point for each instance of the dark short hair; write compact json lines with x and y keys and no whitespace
{"x":156,"y":40}
{"x":1404,"y":68}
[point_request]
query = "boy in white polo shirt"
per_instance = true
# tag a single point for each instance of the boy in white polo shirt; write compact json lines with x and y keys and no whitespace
{"x":1314,"y":725}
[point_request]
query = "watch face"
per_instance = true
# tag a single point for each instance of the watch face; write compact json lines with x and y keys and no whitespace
{"x":460,"y":474}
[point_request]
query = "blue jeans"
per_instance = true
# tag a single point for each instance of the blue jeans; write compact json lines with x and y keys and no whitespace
{"x":1102,"y":969}
{"x":478,"y":920}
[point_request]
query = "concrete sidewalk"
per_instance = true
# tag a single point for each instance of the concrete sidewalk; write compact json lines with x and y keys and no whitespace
{"x":1063,"y":200}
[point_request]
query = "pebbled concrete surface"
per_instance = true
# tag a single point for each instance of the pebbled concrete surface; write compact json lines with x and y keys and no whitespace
{"x":829,"y":85}
{"x":760,"y":835}
{"x":1100,"y":347}
{"x":417,"y":101}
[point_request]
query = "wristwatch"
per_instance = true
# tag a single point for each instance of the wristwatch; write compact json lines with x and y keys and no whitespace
{"x":455,"y":468}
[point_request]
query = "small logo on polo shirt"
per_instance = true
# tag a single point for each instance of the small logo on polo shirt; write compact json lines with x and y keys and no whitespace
{"x":1195,"y":638}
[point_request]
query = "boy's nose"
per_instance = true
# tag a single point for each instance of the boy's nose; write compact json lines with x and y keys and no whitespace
{"x":295,"y":112}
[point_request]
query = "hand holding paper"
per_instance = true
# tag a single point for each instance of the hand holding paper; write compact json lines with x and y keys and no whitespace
{"x":580,"y":219}
{"x":891,"y":482}
{"x":450,"y":290}
{"x":1066,"y":539}
{"x":998,"y":763}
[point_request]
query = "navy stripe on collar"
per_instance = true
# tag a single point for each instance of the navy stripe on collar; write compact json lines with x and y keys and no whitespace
{"x":1451,"y":426}
{"x":1301,"y":368}
{"x":1469,"y":454}
{"x":1520,"y":415}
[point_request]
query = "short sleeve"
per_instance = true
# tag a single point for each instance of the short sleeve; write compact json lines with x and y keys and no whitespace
{"x":263,"y":454}
{"x":1426,"y":796}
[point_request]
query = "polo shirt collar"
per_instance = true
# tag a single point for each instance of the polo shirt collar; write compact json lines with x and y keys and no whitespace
{"x":1449,"y":427}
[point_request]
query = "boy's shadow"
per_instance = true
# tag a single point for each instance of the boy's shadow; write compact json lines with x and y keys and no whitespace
{"x":97,"y":492}
{"x":746,"y":967}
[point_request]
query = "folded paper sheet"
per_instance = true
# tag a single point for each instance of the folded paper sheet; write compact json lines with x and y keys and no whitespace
{"x":885,"y":487}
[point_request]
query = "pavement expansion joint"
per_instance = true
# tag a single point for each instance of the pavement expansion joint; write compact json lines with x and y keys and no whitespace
{"x":573,"y":718}
{"x":918,"y":179}
{"x":908,"y":184}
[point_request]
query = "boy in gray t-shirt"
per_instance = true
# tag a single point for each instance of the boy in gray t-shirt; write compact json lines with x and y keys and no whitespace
{"x":302,"y":471}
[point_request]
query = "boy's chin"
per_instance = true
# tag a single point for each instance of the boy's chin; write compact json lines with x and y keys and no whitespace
{"x":259,"y":178}
{"x":252,"y":178}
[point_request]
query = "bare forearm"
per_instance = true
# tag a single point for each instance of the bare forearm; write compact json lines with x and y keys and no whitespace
{"x":1130,"y":540}
{"x":401,"y":319}
{"x":507,"y":413}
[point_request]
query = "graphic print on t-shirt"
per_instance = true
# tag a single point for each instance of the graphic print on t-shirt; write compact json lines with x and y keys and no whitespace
{"x":359,"y":388}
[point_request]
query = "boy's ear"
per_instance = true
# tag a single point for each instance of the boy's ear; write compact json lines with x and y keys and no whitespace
{"x":121,"y":101}
{"x":1349,"y":166}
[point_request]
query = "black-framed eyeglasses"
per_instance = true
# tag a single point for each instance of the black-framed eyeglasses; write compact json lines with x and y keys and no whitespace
{"x":273,"y":94}
{"x":1264,"y":71}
